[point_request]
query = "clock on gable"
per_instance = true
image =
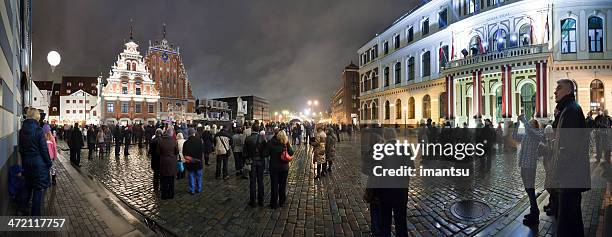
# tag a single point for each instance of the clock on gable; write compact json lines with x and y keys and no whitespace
{"x":164,"y":56}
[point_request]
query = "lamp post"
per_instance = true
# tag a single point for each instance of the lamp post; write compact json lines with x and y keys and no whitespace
{"x":405,"y":120}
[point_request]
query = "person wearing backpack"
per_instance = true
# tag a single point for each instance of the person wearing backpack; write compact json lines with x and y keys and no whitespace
{"x":253,"y":147}
{"x":280,"y":152}
{"x":223,"y":150}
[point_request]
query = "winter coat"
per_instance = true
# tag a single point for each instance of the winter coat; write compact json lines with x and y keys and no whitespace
{"x":91,"y":136}
{"x":274,"y":149}
{"x":154,"y":152}
{"x":34,"y":155}
{"x":76,"y":139}
{"x":238,"y":142}
{"x":193,"y":147}
{"x":168,"y":152}
{"x":207,"y":141}
{"x":180,"y":143}
{"x":319,"y":148}
{"x":52,"y":147}
{"x":528,"y":155}
{"x":330,"y":147}
{"x":570,"y":163}
{"x":254,"y":146}
{"x":223,"y":143}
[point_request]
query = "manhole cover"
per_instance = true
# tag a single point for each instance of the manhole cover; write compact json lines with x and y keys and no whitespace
{"x":470,"y":210}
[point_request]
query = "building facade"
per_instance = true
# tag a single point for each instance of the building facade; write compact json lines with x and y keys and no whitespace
{"x":468,"y":60}
{"x":129,"y":95}
{"x":213,"y":110}
{"x":41,"y":96}
{"x":78,"y":100}
{"x":54,"y":104}
{"x":258,"y":108}
{"x":15,"y":84}
{"x":345,"y":104}
{"x":165,"y":64}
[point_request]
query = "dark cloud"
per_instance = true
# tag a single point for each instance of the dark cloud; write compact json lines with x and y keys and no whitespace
{"x":285,"y":50}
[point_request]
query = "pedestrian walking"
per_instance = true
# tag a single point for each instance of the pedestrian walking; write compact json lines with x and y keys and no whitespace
{"x":237,"y":148}
{"x":528,"y":157}
{"x":118,"y":136}
{"x":319,"y":152}
{"x":330,"y":148}
{"x":253,"y":148}
{"x":75,"y":144}
{"x":571,"y":168}
{"x":223,"y":151}
{"x":155,"y":157}
{"x":108,"y":139}
{"x":279,"y":167}
{"x":168,"y":156}
{"x":91,"y":141}
{"x":52,"y":148}
{"x":101,"y":142}
{"x":192,"y":154}
{"x":35,"y":160}
{"x":602,"y":126}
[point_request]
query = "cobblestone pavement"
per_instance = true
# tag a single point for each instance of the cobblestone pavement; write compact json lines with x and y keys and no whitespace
{"x":64,"y":200}
{"x":332,"y":206}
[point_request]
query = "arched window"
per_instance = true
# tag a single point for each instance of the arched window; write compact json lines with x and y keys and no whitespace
{"x":476,"y":45}
{"x":525,"y":34}
{"x":499,"y":39}
{"x":426,"y":107}
{"x":411,"y":108}
{"x":133,"y":66}
{"x":374,"y":110}
{"x":386,"y":75}
{"x":595,"y":34}
{"x":426,"y":64}
{"x":375,"y":78}
{"x":398,"y":109}
{"x":568,"y":35}
{"x":398,"y":72}
{"x":387,"y":110}
{"x":443,"y":108}
{"x":498,"y":104}
{"x":597,"y":95}
{"x":528,"y":100}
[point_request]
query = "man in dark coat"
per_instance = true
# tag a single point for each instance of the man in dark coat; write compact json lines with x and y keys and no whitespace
{"x":571,"y":169}
{"x":35,"y":160}
{"x":75,"y":143}
{"x":252,"y":151}
{"x":208,"y":142}
{"x":118,"y":139}
{"x":155,"y":157}
{"x":192,"y":152}
{"x":149,"y":132}
{"x":138,"y":134}
{"x":127,"y":138}
{"x":91,"y":141}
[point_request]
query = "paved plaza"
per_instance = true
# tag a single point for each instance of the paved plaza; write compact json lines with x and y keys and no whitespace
{"x":333,"y":206}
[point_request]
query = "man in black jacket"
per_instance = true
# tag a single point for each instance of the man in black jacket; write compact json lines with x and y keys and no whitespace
{"x":155,"y":158}
{"x":192,"y":148}
{"x":75,"y":144}
{"x":252,"y":152}
{"x":571,"y":168}
{"x":127,"y":138}
{"x":91,"y":141}
{"x":118,"y":139}
{"x":207,"y":141}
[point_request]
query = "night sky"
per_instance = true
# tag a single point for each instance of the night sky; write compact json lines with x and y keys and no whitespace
{"x":288,"y":51}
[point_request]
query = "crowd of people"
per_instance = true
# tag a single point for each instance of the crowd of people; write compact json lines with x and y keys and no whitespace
{"x":179,"y":150}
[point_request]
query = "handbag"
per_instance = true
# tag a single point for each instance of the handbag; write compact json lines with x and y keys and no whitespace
{"x":285,"y":155}
{"x":180,"y":166}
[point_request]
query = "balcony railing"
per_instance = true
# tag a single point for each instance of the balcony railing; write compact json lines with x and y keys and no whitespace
{"x":494,"y":56}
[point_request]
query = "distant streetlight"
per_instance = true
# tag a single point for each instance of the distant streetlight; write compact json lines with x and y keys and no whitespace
{"x":54,"y":59}
{"x":309,"y":103}
{"x":316,"y":102}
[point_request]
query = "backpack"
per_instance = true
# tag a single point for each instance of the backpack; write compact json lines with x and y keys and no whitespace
{"x":221,"y":149}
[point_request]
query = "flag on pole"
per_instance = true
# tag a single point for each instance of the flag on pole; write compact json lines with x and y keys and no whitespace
{"x":442,"y":55}
{"x":546,"y":28}
{"x":452,"y":45}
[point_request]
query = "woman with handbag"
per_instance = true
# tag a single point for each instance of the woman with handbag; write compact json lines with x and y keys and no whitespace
{"x":280,"y":152}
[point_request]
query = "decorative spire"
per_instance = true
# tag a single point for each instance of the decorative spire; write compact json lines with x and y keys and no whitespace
{"x":164,"y":30}
{"x":131,"y":29}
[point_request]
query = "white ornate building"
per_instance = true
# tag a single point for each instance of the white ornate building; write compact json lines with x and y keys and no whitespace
{"x":493,"y":58}
{"x":129,"y":94}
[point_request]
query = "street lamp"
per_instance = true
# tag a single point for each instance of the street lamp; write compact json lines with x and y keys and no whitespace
{"x":405,"y":120}
{"x":309,"y":103}
{"x":316,"y":102}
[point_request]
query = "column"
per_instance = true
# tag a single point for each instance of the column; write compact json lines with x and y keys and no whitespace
{"x":477,"y":92}
{"x":450,"y":97}
{"x":506,"y":74}
{"x":541,"y":90}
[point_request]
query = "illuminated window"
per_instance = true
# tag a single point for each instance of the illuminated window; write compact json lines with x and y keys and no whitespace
{"x":595,"y":34}
{"x":568,"y":35}
{"x":124,"y":107}
{"x":110,"y":107}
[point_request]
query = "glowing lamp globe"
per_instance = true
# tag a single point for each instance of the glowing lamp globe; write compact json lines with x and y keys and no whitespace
{"x":54,"y":59}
